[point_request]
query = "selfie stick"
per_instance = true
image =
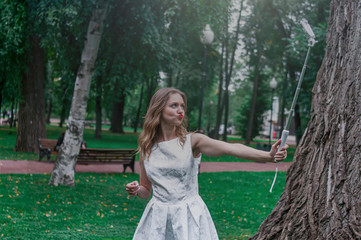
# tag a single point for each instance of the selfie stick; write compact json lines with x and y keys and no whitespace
{"x":311,"y":42}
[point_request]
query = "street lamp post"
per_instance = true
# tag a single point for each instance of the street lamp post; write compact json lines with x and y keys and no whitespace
{"x":273,"y":85}
{"x":206,"y":39}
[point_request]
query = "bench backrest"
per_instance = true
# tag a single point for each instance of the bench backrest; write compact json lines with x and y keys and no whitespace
{"x":104,"y":155}
{"x":47,"y":143}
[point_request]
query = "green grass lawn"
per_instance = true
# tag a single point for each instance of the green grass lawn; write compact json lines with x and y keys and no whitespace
{"x":109,"y":140}
{"x":98,"y":207}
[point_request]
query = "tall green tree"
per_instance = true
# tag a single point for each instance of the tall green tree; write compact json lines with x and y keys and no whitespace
{"x":63,"y":172}
{"x":129,"y":51}
{"x":258,"y":39}
{"x":64,"y":41}
{"x":31,"y":115}
{"x":13,"y":22}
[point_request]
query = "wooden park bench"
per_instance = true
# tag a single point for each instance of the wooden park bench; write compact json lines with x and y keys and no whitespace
{"x":92,"y":155}
{"x":46,"y":148}
{"x":108,"y":156}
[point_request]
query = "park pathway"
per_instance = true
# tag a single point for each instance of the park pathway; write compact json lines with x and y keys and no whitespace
{"x":26,"y":167}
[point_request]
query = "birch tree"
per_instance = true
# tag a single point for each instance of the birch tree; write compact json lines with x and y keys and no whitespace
{"x":63,"y":172}
{"x":322,"y":196}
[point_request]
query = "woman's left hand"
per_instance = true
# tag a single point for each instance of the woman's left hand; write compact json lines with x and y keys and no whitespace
{"x":281,"y":155}
{"x":132,"y":188}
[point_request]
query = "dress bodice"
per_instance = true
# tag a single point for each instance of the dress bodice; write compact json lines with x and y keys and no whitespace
{"x":173,"y":171}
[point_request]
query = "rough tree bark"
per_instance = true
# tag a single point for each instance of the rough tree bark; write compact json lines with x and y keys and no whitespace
{"x":32,"y":107}
{"x":63,"y":172}
{"x":322,"y":197}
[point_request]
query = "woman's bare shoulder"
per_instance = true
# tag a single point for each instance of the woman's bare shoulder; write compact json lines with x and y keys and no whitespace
{"x":196,"y":138}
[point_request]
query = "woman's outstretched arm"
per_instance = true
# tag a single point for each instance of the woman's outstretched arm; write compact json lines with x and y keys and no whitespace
{"x":215,"y":148}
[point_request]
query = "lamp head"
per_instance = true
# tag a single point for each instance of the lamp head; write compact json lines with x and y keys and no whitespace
{"x":273,"y":83}
{"x":207,"y":35}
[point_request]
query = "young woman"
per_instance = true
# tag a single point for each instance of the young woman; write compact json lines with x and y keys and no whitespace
{"x":169,"y":160}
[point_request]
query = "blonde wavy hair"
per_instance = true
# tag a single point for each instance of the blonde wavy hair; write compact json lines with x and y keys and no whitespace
{"x":151,"y":127}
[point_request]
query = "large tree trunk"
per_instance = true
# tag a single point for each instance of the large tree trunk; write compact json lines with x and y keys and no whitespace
{"x":63,"y":172}
{"x":322,"y":196}
{"x":31,"y":115}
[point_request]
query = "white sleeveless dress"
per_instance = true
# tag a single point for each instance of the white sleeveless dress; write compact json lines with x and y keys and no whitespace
{"x":176,"y":211}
